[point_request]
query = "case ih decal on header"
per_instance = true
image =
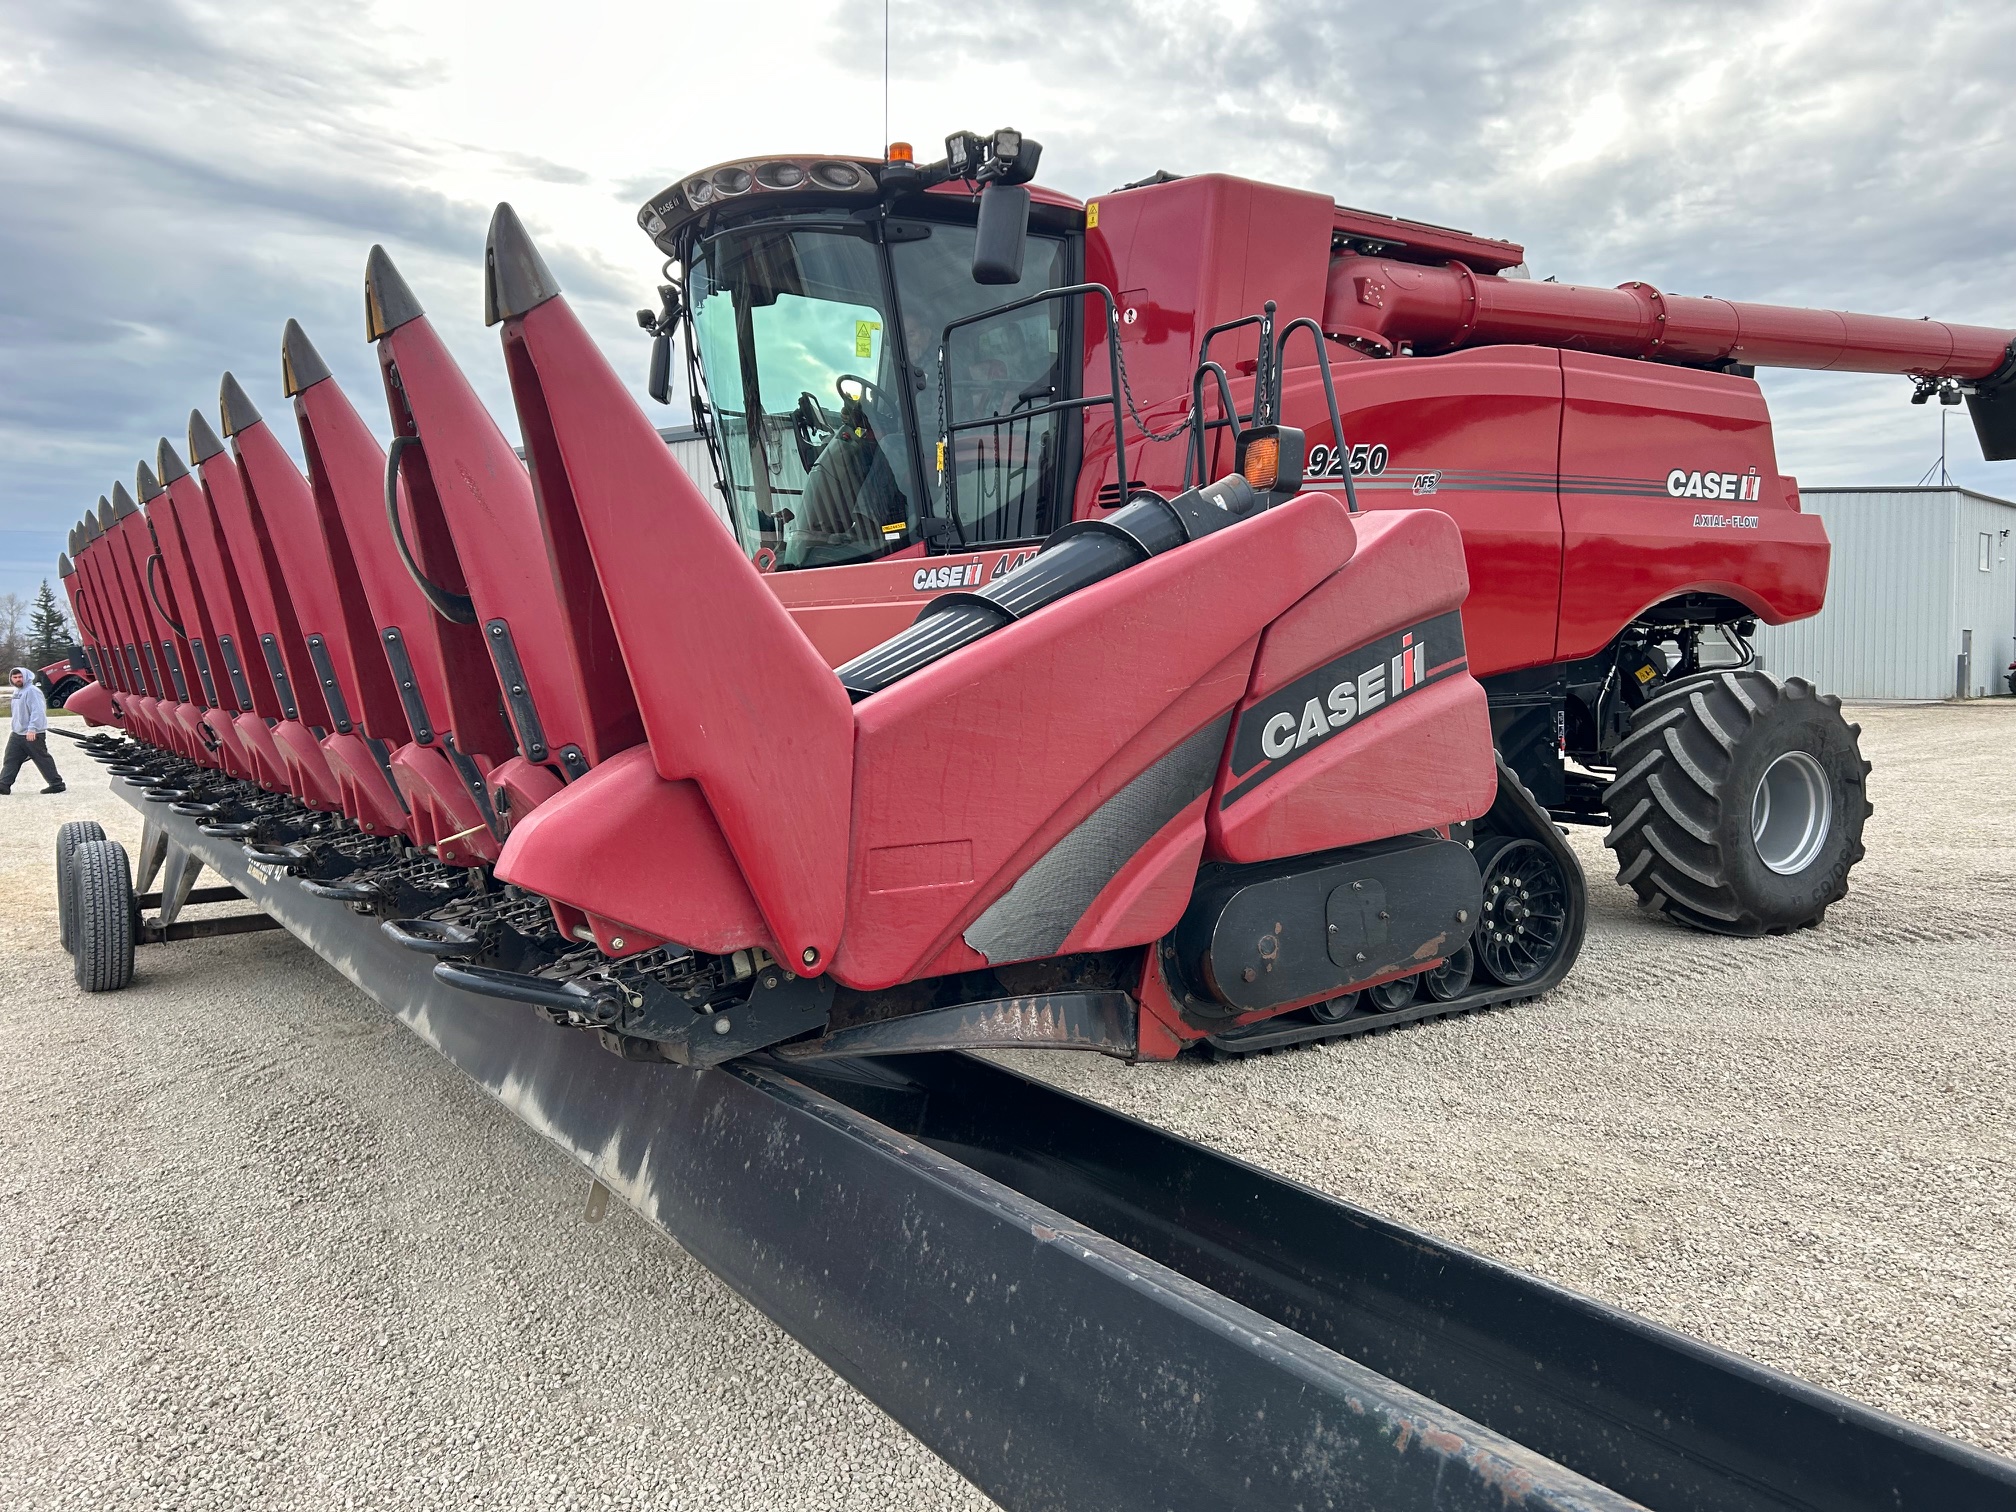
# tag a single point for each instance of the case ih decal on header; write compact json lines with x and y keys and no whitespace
{"x":1287,"y":725}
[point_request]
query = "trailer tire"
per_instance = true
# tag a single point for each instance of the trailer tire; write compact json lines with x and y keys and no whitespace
{"x":1738,"y":803}
{"x":101,"y":884}
{"x":68,"y":838}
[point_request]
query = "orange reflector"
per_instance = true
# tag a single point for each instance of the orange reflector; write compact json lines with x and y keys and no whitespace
{"x":1262,"y":462}
{"x":899,"y":152}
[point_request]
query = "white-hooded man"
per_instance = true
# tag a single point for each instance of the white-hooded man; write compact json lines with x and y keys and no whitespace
{"x":29,"y":740}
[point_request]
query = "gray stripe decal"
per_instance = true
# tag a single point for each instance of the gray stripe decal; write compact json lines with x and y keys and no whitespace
{"x":1035,"y":916}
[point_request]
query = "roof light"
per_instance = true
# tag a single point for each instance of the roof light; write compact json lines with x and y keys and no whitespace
{"x":699,"y":192}
{"x":733,"y":180}
{"x":780,"y":175}
{"x":964,"y":152}
{"x":899,"y":152}
{"x":836,"y":175}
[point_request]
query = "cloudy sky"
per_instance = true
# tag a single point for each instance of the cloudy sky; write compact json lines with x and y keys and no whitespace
{"x":178,"y":178}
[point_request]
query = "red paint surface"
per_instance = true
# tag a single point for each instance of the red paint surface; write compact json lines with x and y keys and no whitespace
{"x":732,"y":695}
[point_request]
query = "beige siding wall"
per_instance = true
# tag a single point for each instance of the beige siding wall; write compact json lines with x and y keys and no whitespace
{"x":691,"y":453}
{"x":1903,"y":585}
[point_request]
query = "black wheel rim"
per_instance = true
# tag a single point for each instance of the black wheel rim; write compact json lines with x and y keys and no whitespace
{"x":1451,"y":979}
{"x":1525,"y":914}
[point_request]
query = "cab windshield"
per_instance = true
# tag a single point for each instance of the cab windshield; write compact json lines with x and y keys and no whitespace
{"x":792,"y":327}
{"x":825,"y":400}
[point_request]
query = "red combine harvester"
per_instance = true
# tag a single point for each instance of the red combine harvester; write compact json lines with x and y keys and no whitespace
{"x":1078,"y":672}
{"x":1177,"y":618}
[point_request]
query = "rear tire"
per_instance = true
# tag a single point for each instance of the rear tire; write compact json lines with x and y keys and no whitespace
{"x":101,"y":886}
{"x":1738,"y":803}
{"x":68,"y":838}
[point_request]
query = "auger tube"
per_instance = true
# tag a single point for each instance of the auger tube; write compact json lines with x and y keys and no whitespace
{"x":1080,"y":554}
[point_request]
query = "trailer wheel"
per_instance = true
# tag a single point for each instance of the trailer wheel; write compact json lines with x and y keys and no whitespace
{"x":68,"y":838}
{"x":1738,"y":803}
{"x":101,"y":904}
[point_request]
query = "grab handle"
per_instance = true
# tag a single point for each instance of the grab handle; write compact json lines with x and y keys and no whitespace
{"x":456,"y":608}
{"x":154,"y":593}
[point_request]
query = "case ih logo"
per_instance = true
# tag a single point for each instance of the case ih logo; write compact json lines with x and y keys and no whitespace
{"x":1301,"y":716}
{"x":958,"y":575}
{"x":1737,"y":487}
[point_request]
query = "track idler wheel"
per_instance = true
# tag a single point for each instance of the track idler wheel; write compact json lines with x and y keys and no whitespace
{"x":1524,"y":922}
{"x":1738,"y":803}
{"x":68,"y":838}
{"x":103,"y":914}
{"x":1391,"y":997}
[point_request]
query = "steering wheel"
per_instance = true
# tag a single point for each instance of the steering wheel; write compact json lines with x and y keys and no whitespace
{"x":859,"y":402}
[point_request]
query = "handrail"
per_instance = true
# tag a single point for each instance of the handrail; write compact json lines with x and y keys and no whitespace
{"x":456,"y":608}
{"x":947,"y":427}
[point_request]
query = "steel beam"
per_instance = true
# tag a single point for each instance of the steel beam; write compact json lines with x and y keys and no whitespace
{"x":1077,"y":1310}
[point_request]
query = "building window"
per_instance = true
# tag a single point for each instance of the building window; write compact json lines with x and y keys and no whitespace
{"x":1985,"y":558}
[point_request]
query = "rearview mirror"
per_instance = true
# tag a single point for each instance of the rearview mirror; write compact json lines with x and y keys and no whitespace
{"x":1001,"y":235}
{"x":660,"y":386}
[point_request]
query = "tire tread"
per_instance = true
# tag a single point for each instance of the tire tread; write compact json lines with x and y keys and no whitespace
{"x":1673,"y":766}
{"x":71,"y":835}
{"x":102,"y":899}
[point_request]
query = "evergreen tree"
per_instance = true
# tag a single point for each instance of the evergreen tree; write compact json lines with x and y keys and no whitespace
{"x":48,"y":628}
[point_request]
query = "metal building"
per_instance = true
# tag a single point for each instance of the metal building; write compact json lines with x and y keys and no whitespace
{"x":1921,"y":596}
{"x":689,"y":449}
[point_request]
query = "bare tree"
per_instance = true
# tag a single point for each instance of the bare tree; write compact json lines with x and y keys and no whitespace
{"x":13,"y":630}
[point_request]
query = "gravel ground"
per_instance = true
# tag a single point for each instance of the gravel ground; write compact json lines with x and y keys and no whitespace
{"x":260,"y":1247}
{"x":1802,"y":1149}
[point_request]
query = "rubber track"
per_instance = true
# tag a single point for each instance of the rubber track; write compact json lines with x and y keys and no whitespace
{"x":1515,"y":812}
{"x":1666,"y":800}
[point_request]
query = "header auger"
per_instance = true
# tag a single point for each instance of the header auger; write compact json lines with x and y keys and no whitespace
{"x":1177,"y":618}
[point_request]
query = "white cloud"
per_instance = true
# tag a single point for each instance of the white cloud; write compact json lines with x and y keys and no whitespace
{"x":181,"y":177}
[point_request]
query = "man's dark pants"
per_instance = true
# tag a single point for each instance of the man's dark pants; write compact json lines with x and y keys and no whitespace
{"x":19,"y":749}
